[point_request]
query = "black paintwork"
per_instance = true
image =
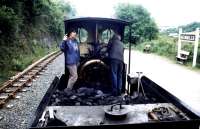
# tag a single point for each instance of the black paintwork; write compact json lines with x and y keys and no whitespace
{"x":149,"y":87}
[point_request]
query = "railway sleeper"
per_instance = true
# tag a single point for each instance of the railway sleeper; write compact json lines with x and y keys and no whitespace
{"x":23,"y":79}
{"x":34,"y":70}
{"x":2,"y":103}
{"x":32,"y":74}
{"x":9,"y":90}
{"x":17,"y":84}
{"x":3,"y":97}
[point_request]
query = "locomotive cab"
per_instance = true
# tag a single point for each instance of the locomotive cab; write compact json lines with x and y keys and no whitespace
{"x":93,"y":35}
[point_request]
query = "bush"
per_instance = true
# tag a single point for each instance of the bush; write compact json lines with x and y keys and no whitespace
{"x":163,"y":46}
{"x":167,"y":46}
{"x":29,"y":29}
{"x":9,"y":23}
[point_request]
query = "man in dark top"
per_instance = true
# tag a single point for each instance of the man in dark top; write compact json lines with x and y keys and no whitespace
{"x":116,"y":55}
{"x":71,"y":51}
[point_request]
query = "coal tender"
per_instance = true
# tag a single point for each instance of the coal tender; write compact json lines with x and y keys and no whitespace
{"x":90,"y":104}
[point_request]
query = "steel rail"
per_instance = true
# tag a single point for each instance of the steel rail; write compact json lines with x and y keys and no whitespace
{"x":19,"y":81}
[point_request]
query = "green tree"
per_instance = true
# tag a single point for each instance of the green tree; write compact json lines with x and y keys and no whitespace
{"x":20,"y":15}
{"x":190,"y":27}
{"x":170,"y":30}
{"x":142,"y":23}
{"x":9,"y":23}
{"x":29,"y":29}
{"x":186,"y":28}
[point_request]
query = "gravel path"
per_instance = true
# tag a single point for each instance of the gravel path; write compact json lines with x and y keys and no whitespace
{"x":21,"y":115}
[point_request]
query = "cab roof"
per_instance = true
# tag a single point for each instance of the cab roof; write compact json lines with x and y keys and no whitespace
{"x":98,"y":19}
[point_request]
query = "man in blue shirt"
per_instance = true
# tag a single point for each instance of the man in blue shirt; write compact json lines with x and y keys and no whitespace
{"x":71,"y":51}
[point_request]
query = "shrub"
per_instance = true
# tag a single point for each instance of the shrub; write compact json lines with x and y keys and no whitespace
{"x":167,"y":46}
{"x":9,"y":23}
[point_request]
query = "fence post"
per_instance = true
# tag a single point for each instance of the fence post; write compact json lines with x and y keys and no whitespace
{"x":179,"y":41}
{"x":195,"y":47}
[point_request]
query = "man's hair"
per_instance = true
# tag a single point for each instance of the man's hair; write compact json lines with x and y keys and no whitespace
{"x":71,"y":31}
{"x":116,"y":37}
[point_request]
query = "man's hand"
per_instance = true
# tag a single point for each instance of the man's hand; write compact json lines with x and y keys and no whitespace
{"x":65,"y":38}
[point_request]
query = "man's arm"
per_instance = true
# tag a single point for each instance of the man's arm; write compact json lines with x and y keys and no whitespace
{"x":63,"y":44}
{"x":109,"y":45}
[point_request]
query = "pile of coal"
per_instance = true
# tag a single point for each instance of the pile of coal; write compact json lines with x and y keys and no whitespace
{"x":92,"y":97}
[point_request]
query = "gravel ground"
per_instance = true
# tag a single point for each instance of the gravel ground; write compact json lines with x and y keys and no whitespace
{"x":21,"y":115}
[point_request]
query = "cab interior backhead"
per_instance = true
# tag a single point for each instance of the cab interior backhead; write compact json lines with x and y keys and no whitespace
{"x":93,"y":35}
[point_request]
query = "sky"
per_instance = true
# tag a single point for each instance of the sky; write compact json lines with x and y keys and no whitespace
{"x":170,"y":13}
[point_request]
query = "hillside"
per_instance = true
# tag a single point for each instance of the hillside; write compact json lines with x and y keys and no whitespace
{"x":29,"y":29}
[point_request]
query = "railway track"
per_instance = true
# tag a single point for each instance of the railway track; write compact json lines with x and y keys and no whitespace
{"x":9,"y":89}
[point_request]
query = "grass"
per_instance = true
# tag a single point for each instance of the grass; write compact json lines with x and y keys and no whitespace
{"x":167,"y":47}
{"x":23,"y":60}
